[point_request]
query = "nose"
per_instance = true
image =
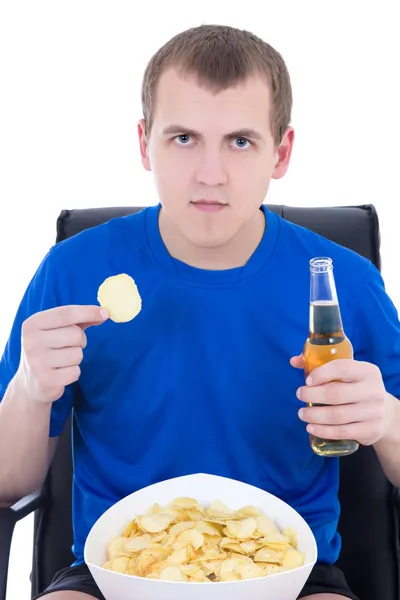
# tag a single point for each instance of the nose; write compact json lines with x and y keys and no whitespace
{"x":211,"y":170}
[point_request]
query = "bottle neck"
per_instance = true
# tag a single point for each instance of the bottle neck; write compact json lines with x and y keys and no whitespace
{"x":322,"y":287}
{"x":325,"y":317}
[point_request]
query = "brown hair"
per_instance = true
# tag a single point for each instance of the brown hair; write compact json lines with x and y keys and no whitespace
{"x":221,"y":57}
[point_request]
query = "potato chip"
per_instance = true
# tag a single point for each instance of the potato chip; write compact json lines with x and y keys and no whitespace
{"x":130,"y":529}
{"x":186,"y":542}
{"x":177,"y":514}
{"x":149,"y":557}
{"x":190,"y":536}
{"x":136,"y":544}
{"x":247,"y":511}
{"x":189,"y":570}
{"x":249,"y":547}
{"x":293,"y":559}
{"x":154,"y":523}
{"x":207,"y":528}
{"x":178,"y":557}
{"x":231,"y":576}
{"x":229,"y":568}
{"x":210,"y":554}
{"x":119,"y":295}
{"x":233,"y":568}
{"x":116,"y":548}
{"x":231,"y":545}
{"x":265,"y":525}
{"x":181,"y":526}
{"x":248,"y":571}
{"x":186,"y":503}
{"x":219,"y":510}
{"x":192,"y":554}
{"x":144,"y":561}
{"x":212,"y":566}
{"x":243,"y":529}
{"x":274,"y":539}
{"x":290,"y":533}
{"x":120,"y":564}
{"x":269,"y":556}
{"x":211,"y":541}
{"x":270,"y":569}
{"x":198,"y":575}
{"x":160,"y":537}
{"x":215,"y":521}
{"x":172,"y":574}
{"x":154,"y":509}
{"x":194,"y":515}
{"x":242,"y":560}
{"x":132,"y":567}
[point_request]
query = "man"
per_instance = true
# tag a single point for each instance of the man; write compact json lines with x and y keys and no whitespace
{"x":205,"y":378}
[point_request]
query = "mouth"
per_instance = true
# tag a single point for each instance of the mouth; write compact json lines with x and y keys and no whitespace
{"x":211,"y":206}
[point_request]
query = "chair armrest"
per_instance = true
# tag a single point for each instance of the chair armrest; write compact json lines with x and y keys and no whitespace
{"x":397,"y":505}
{"x":9,"y":516}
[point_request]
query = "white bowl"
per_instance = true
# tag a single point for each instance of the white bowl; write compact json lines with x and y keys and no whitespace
{"x":204,"y":488}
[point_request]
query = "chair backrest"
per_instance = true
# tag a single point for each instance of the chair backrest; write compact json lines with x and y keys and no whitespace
{"x":369,"y":522}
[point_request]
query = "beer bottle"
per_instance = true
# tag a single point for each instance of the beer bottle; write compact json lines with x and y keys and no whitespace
{"x":326,"y":341}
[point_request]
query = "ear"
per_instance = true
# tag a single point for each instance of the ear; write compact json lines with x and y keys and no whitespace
{"x":144,"y":144}
{"x":283,"y":154}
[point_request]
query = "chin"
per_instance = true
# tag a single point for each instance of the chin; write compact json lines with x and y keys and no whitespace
{"x":207,"y":241}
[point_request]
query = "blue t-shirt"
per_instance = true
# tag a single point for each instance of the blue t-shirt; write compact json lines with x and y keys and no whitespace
{"x":200,"y":380}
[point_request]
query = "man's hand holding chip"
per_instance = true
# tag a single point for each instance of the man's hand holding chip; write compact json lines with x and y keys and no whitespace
{"x":52,"y":349}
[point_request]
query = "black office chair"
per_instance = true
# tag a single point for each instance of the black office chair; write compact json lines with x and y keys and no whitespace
{"x":369,"y":522}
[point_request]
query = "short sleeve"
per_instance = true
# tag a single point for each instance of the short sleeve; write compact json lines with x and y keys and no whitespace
{"x":41,"y":294}
{"x":377,"y":330}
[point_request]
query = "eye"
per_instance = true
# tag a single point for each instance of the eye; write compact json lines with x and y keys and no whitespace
{"x":183,"y":139}
{"x":240,"y":142}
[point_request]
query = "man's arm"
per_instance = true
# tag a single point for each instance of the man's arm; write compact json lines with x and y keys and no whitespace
{"x":25,"y":445}
{"x":52,"y":344}
{"x":348,"y":400}
{"x":388,"y":447}
{"x":359,"y":397}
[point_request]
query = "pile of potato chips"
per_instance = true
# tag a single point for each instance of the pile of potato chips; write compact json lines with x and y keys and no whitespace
{"x":184,"y":542}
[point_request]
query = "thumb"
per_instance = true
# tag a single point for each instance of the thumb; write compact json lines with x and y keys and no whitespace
{"x":297,"y":362}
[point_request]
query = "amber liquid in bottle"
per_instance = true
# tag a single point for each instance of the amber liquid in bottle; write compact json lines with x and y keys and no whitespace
{"x":326,"y":341}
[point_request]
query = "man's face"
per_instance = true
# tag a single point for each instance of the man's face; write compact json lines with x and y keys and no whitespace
{"x":212,"y":156}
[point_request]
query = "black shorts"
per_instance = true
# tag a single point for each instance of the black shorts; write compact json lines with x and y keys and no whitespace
{"x":323,"y":578}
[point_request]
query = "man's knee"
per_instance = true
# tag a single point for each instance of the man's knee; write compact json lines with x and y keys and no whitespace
{"x":325,"y":597}
{"x":67,"y":595}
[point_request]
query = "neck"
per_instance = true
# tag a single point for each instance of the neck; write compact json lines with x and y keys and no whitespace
{"x":235,"y":253}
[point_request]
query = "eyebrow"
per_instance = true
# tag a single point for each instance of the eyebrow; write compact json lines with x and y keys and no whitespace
{"x":180,"y":129}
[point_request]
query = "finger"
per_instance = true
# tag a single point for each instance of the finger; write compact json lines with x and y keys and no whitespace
{"x":342,"y":369}
{"x":65,"y":337}
{"x":335,"y":392}
{"x":64,"y":357}
{"x":64,"y":316}
{"x":67,"y":375}
{"x":340,"y":415}
{"x":297,"y":362}
{"x":85,"y":326}
{"x":360,"y":432}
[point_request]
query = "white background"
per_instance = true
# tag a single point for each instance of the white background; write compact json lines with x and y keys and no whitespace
{"x":70,"y":77}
